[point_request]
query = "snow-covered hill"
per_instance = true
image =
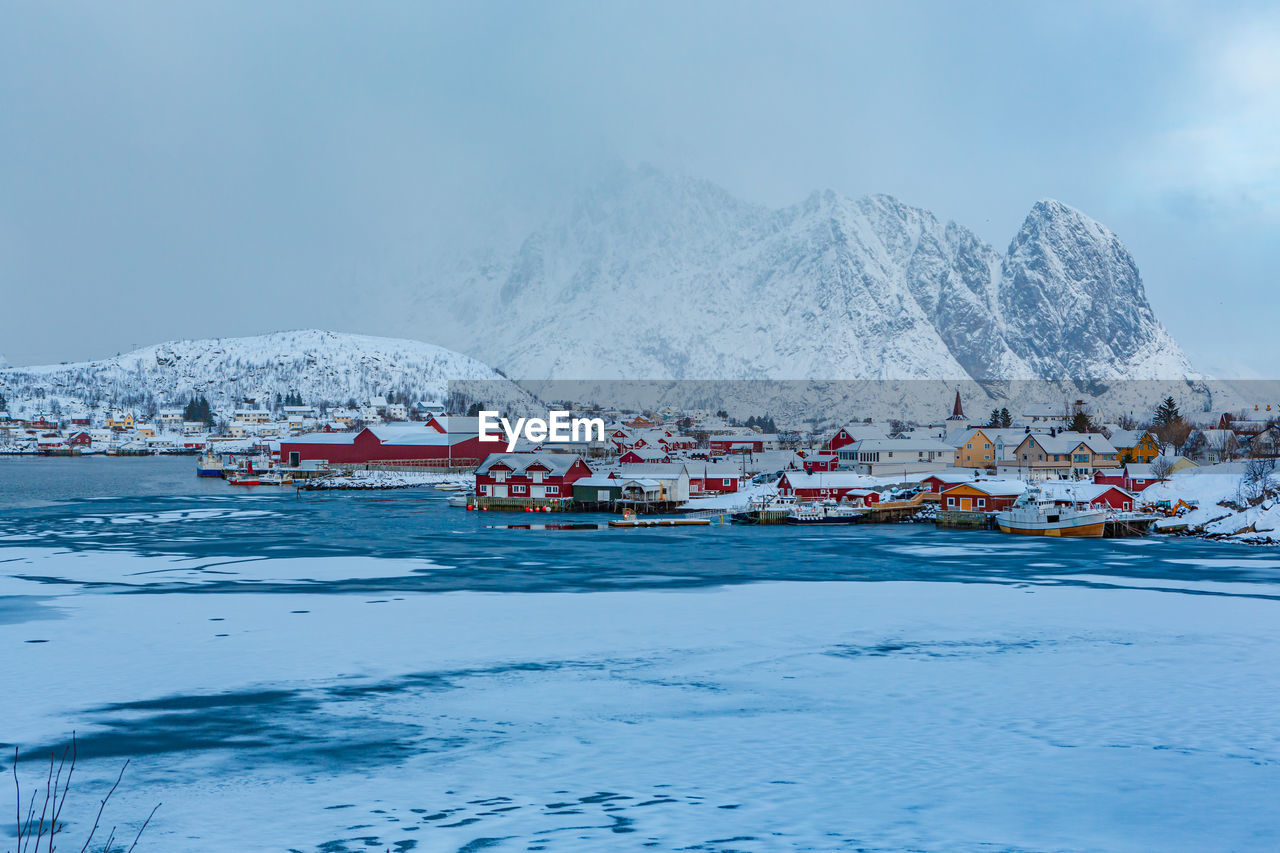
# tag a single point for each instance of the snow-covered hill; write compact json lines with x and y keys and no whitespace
{"x":321,"y":366}
{"x":654,"y":276}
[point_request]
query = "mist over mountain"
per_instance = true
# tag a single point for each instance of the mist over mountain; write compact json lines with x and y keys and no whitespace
{"x":654,"y":276}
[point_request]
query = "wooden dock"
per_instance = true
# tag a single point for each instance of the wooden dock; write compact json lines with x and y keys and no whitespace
{"x":888,"y":512}
{"x":484,"y":502}
{"x":761,"y":516}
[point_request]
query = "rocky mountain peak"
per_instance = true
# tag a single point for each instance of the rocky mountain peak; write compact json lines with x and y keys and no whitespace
{"x":656,"y":276}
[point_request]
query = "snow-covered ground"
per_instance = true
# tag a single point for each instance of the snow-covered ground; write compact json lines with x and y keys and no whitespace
{"x":1220,"y":509}
{"x":389,"y":480}
{"x":778,"y":716}
{"x":734,"y":500}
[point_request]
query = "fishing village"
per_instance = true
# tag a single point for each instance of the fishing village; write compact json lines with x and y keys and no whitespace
{"x":1051,"y":470}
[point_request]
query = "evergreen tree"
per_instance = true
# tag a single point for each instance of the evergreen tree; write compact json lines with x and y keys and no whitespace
{"x":1006,"y":419}
{"x":994,"y":421}
{"x":1167,"y":413}
{"x":1080,"y":422}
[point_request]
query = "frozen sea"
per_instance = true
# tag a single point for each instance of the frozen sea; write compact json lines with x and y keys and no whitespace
{"x":378,"y":671}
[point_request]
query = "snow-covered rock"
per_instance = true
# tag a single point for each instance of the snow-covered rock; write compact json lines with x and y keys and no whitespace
{"x":321,"y":366}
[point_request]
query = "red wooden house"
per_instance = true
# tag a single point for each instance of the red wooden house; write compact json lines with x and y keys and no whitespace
{"x":981,"y":495}
{"x":1099,"y":495}
{"x":821,"y":461}
{"x":940,"y":481}
{"x":837,"y":485}
{"x":541,"y":476}
{"x":839,"y":440}
{"x":713,"y":477}
{"x":640,"y":455}
{"x":1133,"y":477}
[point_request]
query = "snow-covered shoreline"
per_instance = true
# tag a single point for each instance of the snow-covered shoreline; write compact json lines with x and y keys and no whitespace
{"x":384,"y":480}
{"x":1219,"y":510}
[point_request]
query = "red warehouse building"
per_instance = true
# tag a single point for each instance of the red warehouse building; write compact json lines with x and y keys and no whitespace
{"x":431,"y":444}
{"x":736,"y":444}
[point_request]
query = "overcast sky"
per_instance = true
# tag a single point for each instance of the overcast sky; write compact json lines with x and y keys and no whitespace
{"x":175,"y":170}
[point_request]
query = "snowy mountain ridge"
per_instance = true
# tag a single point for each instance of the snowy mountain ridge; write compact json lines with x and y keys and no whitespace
{"x":654,"y":276}
{"x":322,"y":366}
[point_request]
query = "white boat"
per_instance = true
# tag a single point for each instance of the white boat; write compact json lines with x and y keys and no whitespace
{"x":827,"y":512}
{"x":1035,"y":515}
{"x":763,"y":507}
{"x":460,"y":500}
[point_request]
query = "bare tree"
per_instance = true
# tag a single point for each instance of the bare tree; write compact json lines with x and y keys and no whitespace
{"x":1259,"y":481}
{"x":1172,"y":435}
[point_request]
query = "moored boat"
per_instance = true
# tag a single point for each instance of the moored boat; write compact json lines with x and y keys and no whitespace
{"x":270,"y":478}
{"x":210,"y":465}
{"x":827,"y":512}
{"x":765,"y":510}
{"x":1034,"y":515}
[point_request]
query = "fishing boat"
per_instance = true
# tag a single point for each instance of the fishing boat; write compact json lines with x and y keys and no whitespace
{"x":770,"y":509}
{"x":210,"y":465}
{"x":827,"y":512}
{"x":1035,"y":515}
{"x":249,"y":477}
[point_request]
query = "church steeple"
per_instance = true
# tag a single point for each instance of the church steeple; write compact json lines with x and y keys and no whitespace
{"x":957,"y":411}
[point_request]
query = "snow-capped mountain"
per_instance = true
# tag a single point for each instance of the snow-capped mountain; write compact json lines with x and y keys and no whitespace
{"x":323,"y":367}
{"x":653,"y":276}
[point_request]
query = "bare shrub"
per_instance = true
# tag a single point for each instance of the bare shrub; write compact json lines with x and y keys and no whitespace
{"x":37,"y":833}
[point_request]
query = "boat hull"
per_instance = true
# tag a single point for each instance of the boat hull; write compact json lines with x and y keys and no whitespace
{"x":1091,"y":528}
{"x":826,"y":520}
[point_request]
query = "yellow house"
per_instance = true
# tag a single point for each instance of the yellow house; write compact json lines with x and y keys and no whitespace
{"x":120,"y":420}
{"x":1135,"y":445}
{"x":976,"y":450}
